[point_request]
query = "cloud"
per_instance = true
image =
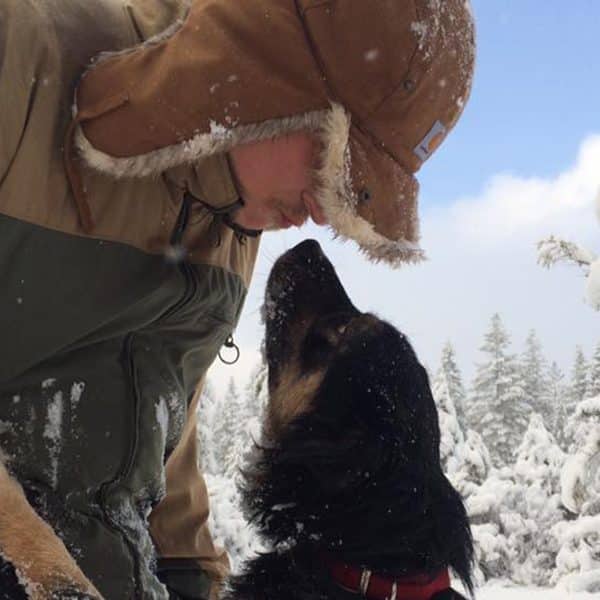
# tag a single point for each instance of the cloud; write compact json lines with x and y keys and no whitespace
{"x":512,"y":206}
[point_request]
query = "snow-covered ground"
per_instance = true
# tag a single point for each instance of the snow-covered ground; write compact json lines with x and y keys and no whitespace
{"x":231,"y":531}
{"x":497,"y":591}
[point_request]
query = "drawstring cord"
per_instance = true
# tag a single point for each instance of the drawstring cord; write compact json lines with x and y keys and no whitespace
{"x":181,"y":223}
{"x":219,"y":216}
{"x":223,"y":215}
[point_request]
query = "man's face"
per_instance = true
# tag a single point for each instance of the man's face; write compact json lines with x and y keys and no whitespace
{"x":276,"y":181}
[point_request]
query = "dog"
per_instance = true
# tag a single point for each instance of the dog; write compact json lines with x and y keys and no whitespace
{"x":346,"y":486}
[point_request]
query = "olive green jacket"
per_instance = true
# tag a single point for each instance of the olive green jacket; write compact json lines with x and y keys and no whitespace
{"x":104,"y":335}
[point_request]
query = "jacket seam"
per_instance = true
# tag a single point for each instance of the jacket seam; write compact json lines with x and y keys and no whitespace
{"x":108,"y":238}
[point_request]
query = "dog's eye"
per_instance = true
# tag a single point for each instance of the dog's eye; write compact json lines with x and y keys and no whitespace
{"x":318,"y":346}
{"x":323,"y":337}
{"x":319,"y":341}
{"x":333,"y":334}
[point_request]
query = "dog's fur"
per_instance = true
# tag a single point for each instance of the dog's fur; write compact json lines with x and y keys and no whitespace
{"x":34,"y":562}
{"x":350,"y":466}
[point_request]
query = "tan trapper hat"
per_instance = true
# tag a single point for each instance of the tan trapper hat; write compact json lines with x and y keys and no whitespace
{"x":381,"y":82}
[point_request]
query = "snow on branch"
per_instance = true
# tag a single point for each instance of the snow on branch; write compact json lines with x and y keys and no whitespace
{"x":553,"y":250}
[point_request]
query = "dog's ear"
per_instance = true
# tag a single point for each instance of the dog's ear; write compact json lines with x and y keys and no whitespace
{"x":377,"y":387}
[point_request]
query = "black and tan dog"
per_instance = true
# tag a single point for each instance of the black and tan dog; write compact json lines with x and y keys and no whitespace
{"x":348,"y":488}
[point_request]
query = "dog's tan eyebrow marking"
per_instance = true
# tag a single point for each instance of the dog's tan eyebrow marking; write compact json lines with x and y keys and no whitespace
{"x":292,"y":396}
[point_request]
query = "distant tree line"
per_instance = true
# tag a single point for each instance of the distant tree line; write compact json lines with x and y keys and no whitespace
{"x":521,"y":444}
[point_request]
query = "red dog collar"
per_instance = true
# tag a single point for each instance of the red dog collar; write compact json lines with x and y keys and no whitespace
{"x":377,"y":587}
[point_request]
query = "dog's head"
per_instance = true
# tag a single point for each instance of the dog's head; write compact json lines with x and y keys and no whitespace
{"x":350,"y":371}
{"x":351,"y":461}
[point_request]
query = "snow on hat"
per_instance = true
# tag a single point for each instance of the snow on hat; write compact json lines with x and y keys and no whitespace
{"x":381,"y":82}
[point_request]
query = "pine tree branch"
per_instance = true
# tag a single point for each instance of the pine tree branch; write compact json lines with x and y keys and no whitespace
{"x":553,"y":250}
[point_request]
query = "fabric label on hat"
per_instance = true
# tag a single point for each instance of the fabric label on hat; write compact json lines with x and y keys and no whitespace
{"x":431,"y":141}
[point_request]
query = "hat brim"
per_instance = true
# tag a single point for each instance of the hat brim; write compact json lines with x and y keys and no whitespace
{"x":366,"y":195}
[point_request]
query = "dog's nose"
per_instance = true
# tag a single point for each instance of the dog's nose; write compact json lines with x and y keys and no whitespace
{"x":307,"y":249}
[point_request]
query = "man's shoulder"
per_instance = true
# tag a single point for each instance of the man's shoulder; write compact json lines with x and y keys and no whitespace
{"x":84,"y":28}
{"x":45,"y":45}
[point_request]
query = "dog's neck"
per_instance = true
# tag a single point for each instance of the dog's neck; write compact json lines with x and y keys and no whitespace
{"x":395,"y":540}
{"x":393,"y":529}
{"x":374,"y":586}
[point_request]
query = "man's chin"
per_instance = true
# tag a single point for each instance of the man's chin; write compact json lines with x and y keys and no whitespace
{"x":254,"y":225}
{"x":277,"y":227}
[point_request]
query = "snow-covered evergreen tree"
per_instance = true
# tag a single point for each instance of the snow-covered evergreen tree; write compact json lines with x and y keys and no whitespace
{"x":227,"y":425}
{"x":465,"y":459}
{"x":534,"y":377}
{"x":498,"y":408}
{"x":452,"y":438}
{"x":576,"y":392}
{"x":594,"y":379}
{"x":248,"y":427}
{"x":580,"y":479}
{"x":208,"y":414}
{"x":474,"y":465}
{"x":557,"y":399}
{"x":539,"y":458}
{"x":450,"y":371}
{"x":578,"y":561}
{"x":579,"y":379}
{"x":514,"y":509}
{"x":537,"y":470}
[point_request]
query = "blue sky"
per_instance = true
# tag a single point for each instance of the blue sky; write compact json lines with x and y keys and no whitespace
{"x":536,"y":94}
{"x":522,"y":163}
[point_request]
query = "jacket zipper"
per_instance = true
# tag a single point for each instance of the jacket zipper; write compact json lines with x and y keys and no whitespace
{"x":186,"y":270}
{"x":106,"y":487}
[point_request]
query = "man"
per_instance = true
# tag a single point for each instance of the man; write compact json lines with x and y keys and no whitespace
{"x":133,"y":188}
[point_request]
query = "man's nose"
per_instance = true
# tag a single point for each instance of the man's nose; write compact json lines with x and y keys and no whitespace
{"x":314,"y":209}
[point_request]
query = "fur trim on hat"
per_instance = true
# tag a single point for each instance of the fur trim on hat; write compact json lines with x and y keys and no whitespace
{"x":338,"y":200}
{"x":221,"y":138}
{"x":334,"y":190}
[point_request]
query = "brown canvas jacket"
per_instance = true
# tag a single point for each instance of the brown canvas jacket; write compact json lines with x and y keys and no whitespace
{"x":105,"y":334}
